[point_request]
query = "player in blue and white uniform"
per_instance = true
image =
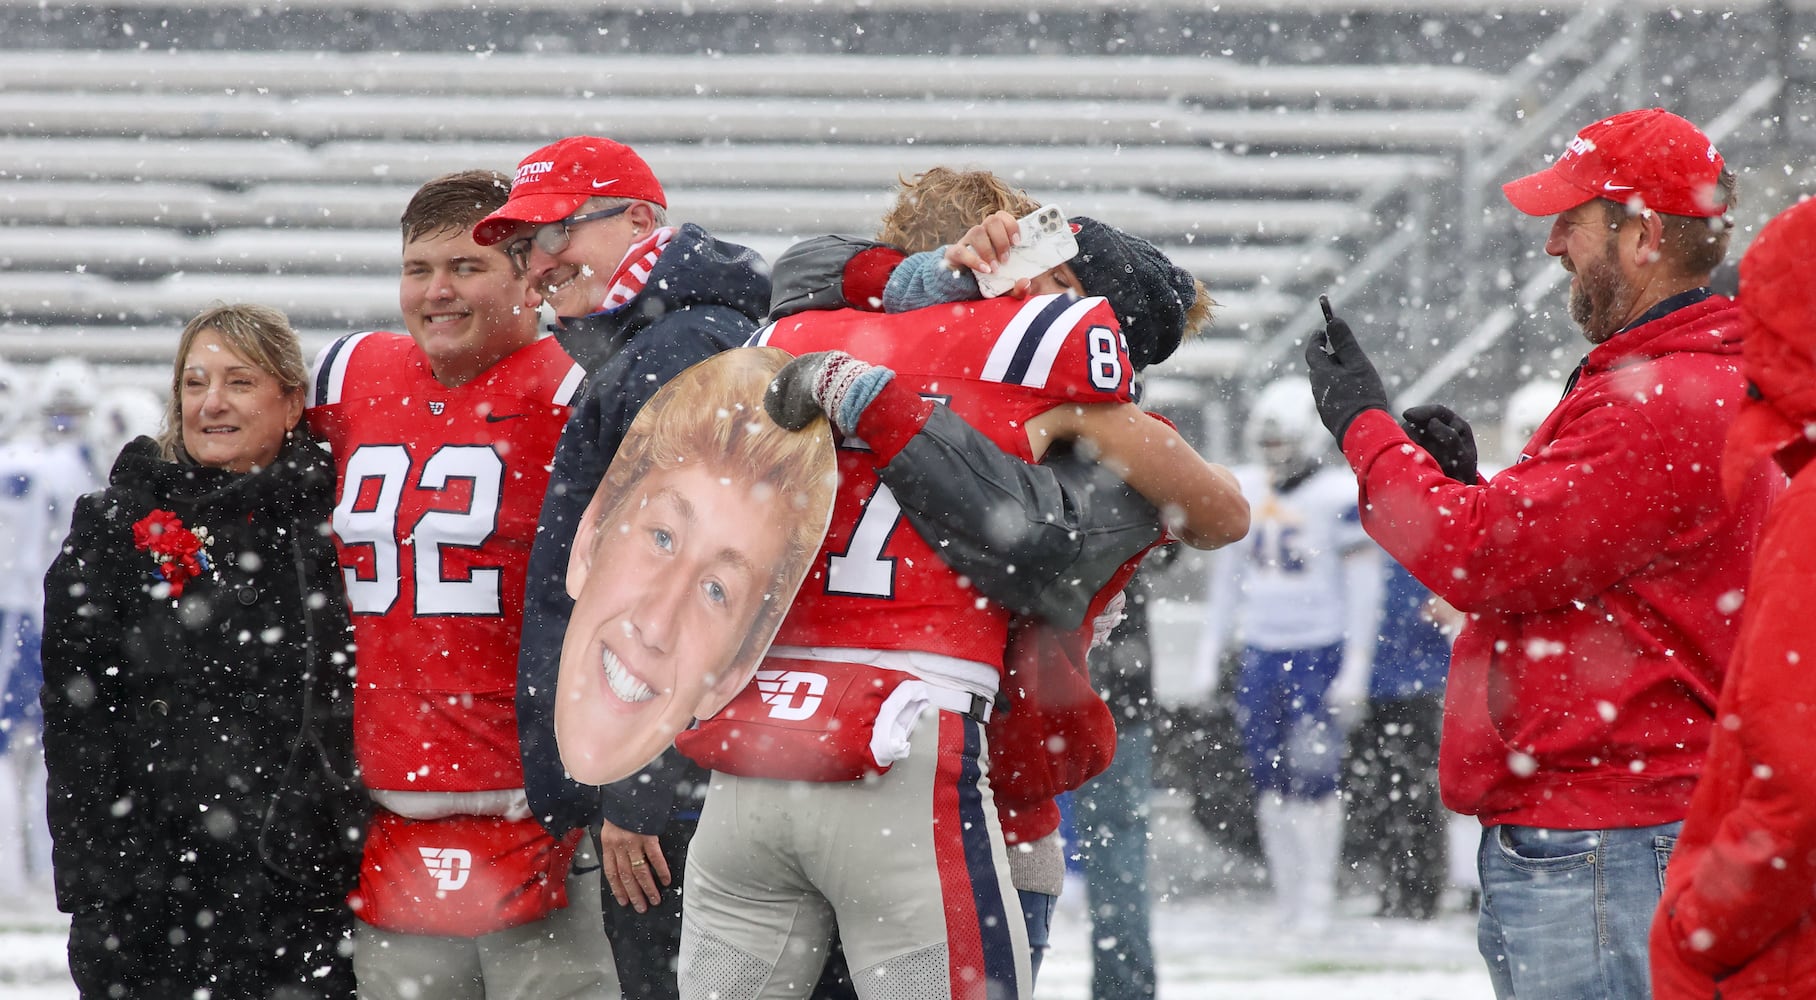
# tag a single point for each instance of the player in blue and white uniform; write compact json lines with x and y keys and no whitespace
{"x":44,"y":467}
{"x":1302,"y":596}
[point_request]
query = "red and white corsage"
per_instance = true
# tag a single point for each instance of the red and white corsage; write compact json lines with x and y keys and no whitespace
{"x":179,"y":552}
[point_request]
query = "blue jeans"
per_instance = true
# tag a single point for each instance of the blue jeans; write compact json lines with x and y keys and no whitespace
{"x":1566,"y":913}
{"x":21,"y":675}
{"x":1037,"y":913}
{"x":1112,"y":827}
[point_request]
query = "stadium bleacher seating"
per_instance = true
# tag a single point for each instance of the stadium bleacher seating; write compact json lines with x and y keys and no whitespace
{"x":144,"y":178}
{"x":173,"y":179}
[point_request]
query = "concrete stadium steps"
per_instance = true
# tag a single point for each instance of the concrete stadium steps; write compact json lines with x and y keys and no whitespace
{"x":372,"y":206}
{"x":145,"y":252}
{"x":349,"y":302}
{"x":1044,"y":170}
{"x":1205,"y":80}
{"x":129,"y":253}
{"x":142,"y":185}
{"x":318,"y":118}
{"x":343,"y":300}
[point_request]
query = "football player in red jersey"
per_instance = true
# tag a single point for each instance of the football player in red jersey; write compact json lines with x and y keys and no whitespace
{"x":882,"y":614}
{"x":1051,"y":541}
{"x":442,"y":441}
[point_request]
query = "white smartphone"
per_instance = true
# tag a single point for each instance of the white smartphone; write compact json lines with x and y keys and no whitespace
{"x":1046,"y":243}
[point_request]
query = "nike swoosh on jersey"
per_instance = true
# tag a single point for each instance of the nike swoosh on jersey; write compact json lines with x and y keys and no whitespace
{"x":492,"y":418}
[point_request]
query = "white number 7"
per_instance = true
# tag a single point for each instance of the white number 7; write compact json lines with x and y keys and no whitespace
{"x":861,"y":570}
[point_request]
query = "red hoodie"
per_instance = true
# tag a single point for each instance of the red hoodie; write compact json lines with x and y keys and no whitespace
{"x":1738,"y":917}
{"x":1603,"y":574}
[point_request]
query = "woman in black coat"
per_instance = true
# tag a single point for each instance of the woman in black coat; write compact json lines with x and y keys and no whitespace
{"x":206,"y":821}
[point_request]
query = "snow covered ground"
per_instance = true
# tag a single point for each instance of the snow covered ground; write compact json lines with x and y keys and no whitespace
{"x":1209,"y":947}
{"x":1212,"y":933}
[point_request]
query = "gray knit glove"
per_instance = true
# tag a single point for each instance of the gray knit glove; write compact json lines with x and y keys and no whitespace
{"x":826,"y":382}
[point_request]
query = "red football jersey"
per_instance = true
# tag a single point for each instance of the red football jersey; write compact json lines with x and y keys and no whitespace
{"x":998,"y":362}
{"x":439,"y":493}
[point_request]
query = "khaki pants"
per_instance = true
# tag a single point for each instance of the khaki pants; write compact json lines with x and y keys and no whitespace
{"x":910,"y":866}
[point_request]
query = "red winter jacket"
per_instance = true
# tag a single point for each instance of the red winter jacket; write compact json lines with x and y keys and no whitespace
{"x":1742,"y":882}
{"x":1056,"y":735}
{"x":1739,"y":909}
{"x":1602,"y":573}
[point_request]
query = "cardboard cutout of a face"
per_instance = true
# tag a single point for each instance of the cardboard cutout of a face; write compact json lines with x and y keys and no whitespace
{"x":685,"y":562}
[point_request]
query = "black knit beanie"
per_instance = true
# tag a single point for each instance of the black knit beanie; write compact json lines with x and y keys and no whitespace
{"x":1149,"y":293}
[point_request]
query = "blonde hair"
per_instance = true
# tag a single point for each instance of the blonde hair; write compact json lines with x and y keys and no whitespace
{"x":258,"y":334}
{"x":937,"y":206}
{"x":1200,"y":313}
{"x":712,"y":415}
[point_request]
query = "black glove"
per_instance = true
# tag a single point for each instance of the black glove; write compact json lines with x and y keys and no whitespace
{"x":825,"y":382}
{"x":1446,"y":436}
{"x":1344,"y":381}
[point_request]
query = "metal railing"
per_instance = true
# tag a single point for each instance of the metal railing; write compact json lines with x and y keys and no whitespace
{"x":1502,"y":135}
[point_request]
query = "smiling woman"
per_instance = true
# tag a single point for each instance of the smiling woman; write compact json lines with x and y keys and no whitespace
{"x":237,"y":389}
{"x":235,"y":414}
{"x":205,"y":819}
{"x":685,"y":562}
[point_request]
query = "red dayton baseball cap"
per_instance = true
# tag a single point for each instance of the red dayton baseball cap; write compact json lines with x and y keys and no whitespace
{"x":555,"y":180}
{"x":1650,"y":155}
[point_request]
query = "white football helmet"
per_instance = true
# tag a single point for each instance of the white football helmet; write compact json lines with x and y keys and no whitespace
{"x":1526,"y":409}
{"x":1283,"y":429}
{"x":125,"y":412}
{"x":66,"y":392}
{"x":15,"y":402}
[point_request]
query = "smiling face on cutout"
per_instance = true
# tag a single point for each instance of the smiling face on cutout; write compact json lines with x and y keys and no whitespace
{"x":668,"y":588}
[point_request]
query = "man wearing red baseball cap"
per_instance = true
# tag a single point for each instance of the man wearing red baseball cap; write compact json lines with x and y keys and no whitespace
{"x":555,"y":224}
{"x":1646,"y":179}
{"x":638,"y":301}
{"x":1602,"y":574}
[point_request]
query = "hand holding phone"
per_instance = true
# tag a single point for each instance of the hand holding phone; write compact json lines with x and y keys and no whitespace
{"x":1344,"y":381}
{"x":984,"y":244}
{"x":1044,"y":242}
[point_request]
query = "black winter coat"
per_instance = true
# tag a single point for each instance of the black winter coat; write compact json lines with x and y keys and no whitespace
{"x":217,"y":724}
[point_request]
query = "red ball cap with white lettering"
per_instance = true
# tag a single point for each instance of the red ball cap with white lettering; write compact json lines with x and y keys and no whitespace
{"x":1646,"y":159}
{"x":558,"y":178}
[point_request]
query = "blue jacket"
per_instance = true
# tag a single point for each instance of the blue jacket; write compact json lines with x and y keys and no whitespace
{"x":704,"y":296}
{"x":1413,"y":655}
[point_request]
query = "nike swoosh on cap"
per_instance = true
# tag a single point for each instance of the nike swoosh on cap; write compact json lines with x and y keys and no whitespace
{"x":1611,"y":186}
{"x":600,"y":184}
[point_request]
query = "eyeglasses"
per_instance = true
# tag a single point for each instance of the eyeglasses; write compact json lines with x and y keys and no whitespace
{"x":552,"y":237}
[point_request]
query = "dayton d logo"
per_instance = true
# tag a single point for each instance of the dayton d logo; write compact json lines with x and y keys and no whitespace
{"x":449,"y":865}
{"x":791,"y":694}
